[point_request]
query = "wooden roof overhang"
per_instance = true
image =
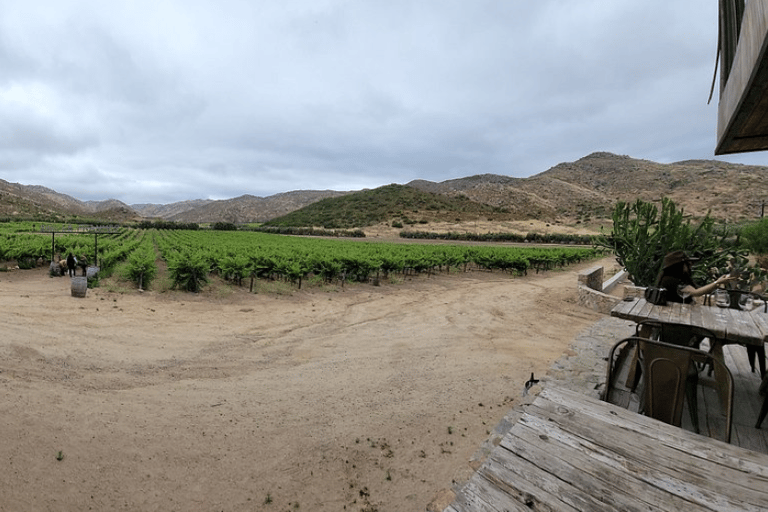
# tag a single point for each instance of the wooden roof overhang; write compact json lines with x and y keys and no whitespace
{"x":742,"y":123}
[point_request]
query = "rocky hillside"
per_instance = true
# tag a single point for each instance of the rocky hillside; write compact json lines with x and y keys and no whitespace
{"x":36,"y":201}
{"x":589,"y":187}
{"x":730,"y":191}
{"x":580,"y":191}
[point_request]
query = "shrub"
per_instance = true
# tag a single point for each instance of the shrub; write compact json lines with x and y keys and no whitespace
{"x":642,"y":236}
{"x":235,"y":267}
{"x":188,"y":271}
{"x":755,"y":237}
{"x":141,"y":268}
{"x":26,"y":263}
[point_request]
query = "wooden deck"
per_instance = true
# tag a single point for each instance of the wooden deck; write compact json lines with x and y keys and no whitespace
{"x":747,"y":402}
{"x":570,"y":452}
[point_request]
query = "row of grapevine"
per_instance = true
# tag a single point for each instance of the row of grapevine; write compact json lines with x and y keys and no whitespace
{"x":119,"y":248}
{"x":539,"y":238}
{"x":27,"y":248}
{"x":140,"y":266}
{"x":236,"y":255}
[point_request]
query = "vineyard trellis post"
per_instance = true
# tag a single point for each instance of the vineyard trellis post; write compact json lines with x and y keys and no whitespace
{"x":85,"y":230}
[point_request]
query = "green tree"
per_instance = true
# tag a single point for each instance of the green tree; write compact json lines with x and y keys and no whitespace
{"x":754,"y":237}
{"x":642,"y":235}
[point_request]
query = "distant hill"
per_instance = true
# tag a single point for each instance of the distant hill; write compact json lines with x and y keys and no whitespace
{"x":591,"y":186}
{"x":40,"y":202}
{"x":400,"y":203}
{"x":730,"y":191}
{"x":167,"y":211}
{"x":569,"y":192}
{"x":250,"y":208}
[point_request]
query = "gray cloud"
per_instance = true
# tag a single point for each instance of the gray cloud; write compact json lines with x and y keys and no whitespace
{"x":163,"y":101}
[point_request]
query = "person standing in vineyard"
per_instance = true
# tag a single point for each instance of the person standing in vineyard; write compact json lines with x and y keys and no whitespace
{"x":71,"y":264}
{"x":83,"y":263}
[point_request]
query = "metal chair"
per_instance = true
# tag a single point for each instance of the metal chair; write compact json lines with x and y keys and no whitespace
{"x":674,"y":333}
{"x":669,"y":375}
{"x":620,"y":358}
{"x":677,"y":334}
{"x":627,"y":357}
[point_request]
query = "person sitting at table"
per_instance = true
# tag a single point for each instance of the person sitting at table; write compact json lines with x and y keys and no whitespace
{"x":677,"y":278}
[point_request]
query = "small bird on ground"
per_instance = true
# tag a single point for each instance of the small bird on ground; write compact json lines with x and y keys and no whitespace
{"x":529,"y":384}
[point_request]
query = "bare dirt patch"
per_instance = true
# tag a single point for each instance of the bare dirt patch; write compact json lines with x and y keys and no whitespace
{"x":366,"y":398}
{"x":521,"y":227}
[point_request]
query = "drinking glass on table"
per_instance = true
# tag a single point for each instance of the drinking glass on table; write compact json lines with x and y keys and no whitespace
{"x":683,"y":292}
{"x":722,"y":299}
{"x":746,"y":302}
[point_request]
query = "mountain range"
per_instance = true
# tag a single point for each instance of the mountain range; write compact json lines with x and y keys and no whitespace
{"x":568,"y":192}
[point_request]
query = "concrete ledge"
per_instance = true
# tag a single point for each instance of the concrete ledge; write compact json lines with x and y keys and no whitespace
{"x":593,"y":291}
{"x":611,"y":283}
{"x":592,"y":278}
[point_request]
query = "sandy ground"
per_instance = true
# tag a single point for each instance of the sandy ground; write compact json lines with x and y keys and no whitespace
{"x":370,"y":398}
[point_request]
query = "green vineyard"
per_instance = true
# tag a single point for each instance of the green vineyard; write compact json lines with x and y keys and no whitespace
{"x":192,"y":256}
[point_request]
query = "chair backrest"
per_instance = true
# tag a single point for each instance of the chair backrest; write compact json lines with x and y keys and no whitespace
{"x":665,"y":369}
{"x":673,"y":333}
{"x":724,"y":381}
{"x":668,"y":369}
{"x":686,"y":335}
{"x":619,"y":357}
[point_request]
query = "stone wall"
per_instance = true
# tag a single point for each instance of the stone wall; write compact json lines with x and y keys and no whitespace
{"x":593,"y":291}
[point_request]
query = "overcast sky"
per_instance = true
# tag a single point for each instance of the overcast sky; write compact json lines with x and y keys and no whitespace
{"x":160,"y":101}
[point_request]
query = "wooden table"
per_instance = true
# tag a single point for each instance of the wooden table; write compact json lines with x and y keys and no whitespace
{"x":570,"y":452}
{"x":729,"y":325}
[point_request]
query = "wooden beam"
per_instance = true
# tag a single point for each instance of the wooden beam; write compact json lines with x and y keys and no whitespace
{"x":743,"y":108}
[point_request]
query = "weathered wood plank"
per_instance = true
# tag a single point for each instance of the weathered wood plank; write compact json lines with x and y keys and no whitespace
{"x":711,"y":322}
{"x":593,"y":469}
{"x":761,"y":321}
{"x":537,"y":489}
{"x":733,"y":325}
{"x":701,"y":447}
{"x":569,"y":452}
{"x":663,"y":314}
{"x":643,"y":309}
{"x":483,"y":495}
{"x":625,"y":307}
{"x":742,"y":328}
{"x":676,"y":313}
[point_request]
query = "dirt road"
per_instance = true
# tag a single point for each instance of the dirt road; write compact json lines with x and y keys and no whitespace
{"x":367,"y":398}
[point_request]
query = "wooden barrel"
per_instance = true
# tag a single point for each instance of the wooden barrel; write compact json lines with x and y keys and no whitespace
{"x":79,"y":286}
{"x":55,"y":269}
{"x":91,"y":271}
